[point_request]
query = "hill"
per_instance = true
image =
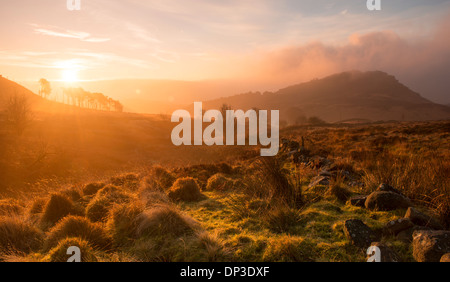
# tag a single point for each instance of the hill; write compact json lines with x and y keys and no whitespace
{"x":10,"y":88}
{"x":371,"y":95}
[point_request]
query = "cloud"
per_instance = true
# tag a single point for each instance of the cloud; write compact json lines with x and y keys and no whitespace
{"x":58,"y":32}
{"x":421,"y":64}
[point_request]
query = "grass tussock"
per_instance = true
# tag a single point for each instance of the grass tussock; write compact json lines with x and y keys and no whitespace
{"x":123,"y":222}
{"x":219,"y":182}
{"x":76,"y":226}
{"x":130,"y":181}
{"x":59,"y":253}
{"x":92,"y":188}
{"x":57,"y":207}
{"x":98,"y":208}
{"x":17,"y":235}
{"x":164,"y":220}
{"x":185,"y":189}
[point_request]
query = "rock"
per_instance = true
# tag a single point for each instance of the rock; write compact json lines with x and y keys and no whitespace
{"x":319,"y":180}
{"x":422,"y":219}
{"x":396,"y":226}
{"x":388,"y":188}
{"x":386,"y":201}
{"x":387,"y":254}
{"x":430,"y":246}
{"x":407,"y":234}
{"x":358,"y":201}
{"x":358,"y":233}
{"x":445,"y":258}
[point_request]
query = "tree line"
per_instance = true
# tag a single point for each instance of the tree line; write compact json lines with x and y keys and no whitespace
{"x":77,"y":96}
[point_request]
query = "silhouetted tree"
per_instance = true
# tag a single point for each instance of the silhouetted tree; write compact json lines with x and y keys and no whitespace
{"x":81,"y":98}
{"x":45,"y":88}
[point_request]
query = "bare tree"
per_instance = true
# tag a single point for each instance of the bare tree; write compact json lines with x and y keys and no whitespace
{"x":18,"y":113}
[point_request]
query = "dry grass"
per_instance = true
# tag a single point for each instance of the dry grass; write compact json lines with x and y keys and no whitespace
{"x":76,"y":226}
{"x":164,"y":221}
{"x":185,"y":189}
{"x":253,"y":209}
{"x":17,"y":235}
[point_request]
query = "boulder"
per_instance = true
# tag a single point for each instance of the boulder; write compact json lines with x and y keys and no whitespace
{"x":407,"y":234}
{"x":422,"y":219}
{"x":430,"y":246}
{"x":386,"y":201}
{"x":445,"y":258}
{"x":394,"y":227}
{"x":386,"y":253}
{"x":358,"y":201}
{"x":388,"y":188}
{"x":358,"y":233}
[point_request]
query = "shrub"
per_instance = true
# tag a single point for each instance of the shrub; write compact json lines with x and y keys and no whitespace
{"x":92,"y":188}
{"x":17,"y":235}
{"x":219,"y":182}
{"x":164,"y":220}
{"x":185,"y":189}
{"x":56,"y":208}
{"x":76,"y":226}
{"x":59,"y":253}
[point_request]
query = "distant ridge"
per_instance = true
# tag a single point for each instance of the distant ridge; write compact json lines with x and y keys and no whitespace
{"x":372,"y":95}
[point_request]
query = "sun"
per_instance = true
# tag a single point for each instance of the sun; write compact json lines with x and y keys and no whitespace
{"x":70,"y":75}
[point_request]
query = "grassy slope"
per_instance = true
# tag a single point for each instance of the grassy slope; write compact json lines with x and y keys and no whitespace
{"x":246,"y":222}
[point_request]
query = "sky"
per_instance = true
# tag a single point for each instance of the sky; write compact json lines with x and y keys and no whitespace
{"x":274,"y":42}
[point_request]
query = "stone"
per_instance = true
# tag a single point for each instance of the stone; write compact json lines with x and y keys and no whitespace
{"x":445,"y":258}
{"x":394,"y":227}
{"x":358,"y":201}
{"x":388,"y":188}
{"x":407,"y":234}
{"x":386,"y":201}
{"x":422,"y":219}
{"x":387,"y":254}
{"x":359,"y":233}
{"x":430,"y":246}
